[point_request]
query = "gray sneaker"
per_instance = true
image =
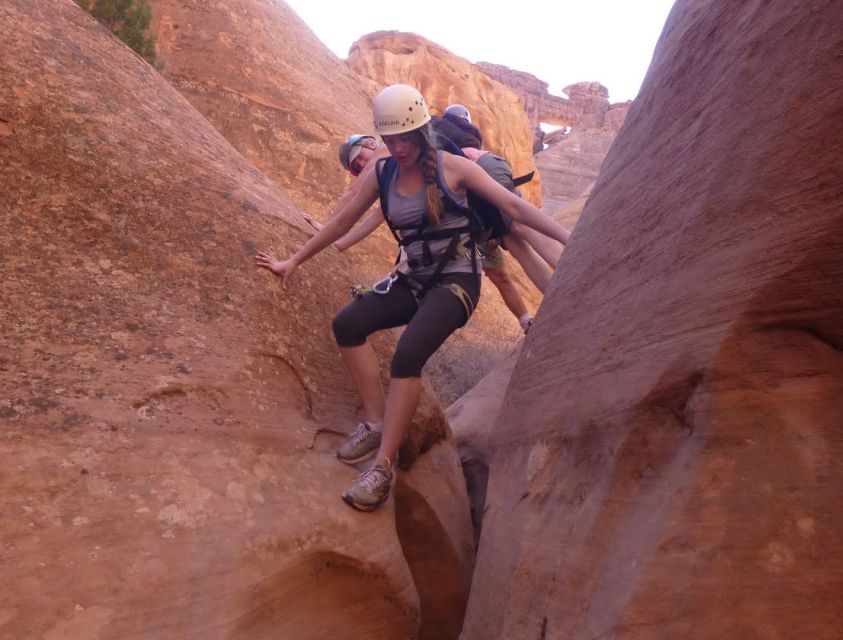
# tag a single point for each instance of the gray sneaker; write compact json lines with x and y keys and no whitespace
{"x":370,"y":490}
{"x":361,"y":445}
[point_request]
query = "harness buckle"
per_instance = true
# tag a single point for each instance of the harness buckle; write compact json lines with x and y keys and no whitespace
{"x":382,"y":287}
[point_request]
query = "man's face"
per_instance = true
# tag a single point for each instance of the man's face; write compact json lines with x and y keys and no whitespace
{"x":361,"y":159}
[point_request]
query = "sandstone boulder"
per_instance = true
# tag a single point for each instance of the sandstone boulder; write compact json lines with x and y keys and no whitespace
{"x":169,"y":413}
{"x":256,"y":71}
{"x":570,"y":164}
{"x":667,"y":461}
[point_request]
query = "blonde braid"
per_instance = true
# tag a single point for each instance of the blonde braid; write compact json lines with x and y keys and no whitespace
{"x":429,"y":162}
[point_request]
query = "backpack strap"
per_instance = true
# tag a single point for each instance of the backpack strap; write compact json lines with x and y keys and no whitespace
{"x":385,"y":170}
{"x":523,"y":179}
{"x":446,"y":144}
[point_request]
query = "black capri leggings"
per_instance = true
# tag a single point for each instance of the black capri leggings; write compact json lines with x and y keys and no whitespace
{"x":429,"y":322}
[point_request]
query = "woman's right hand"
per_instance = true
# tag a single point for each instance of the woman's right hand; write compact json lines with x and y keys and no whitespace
{"x":279,"y":268}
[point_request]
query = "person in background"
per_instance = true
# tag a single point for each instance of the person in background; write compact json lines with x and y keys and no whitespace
{"x":355,"y":155}
{"x":537,"y":254}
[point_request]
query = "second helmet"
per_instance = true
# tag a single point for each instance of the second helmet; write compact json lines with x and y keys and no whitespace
{"x":458,"y":110}
{"x":350,"y":142}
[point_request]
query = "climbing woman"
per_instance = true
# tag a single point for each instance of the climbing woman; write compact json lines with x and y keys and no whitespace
{"x":433,"y":294}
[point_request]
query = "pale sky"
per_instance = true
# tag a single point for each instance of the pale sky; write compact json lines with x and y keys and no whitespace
{"x":560,"y":42}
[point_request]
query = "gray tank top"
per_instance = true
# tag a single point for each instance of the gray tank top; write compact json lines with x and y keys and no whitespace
{"x":410,"y":210}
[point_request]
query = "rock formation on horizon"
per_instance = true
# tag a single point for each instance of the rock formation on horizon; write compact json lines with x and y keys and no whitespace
{"x":568,"y":159}
{"x":667,"y":460}
{"x":169,"y":412}
{"x":586,"y":106}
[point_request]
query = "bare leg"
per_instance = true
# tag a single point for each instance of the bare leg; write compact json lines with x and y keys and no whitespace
{"x":549,"y":249}
{"x":535,"y":268}
{"x":500,"y":278}
{"x":363,"y":366}
{"x":401,"y":404}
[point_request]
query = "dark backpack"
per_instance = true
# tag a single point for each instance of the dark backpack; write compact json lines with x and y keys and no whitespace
{"x":457,"y":130}
{"x":485,"y":219}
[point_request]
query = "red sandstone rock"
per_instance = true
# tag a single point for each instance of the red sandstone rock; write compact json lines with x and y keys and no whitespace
{"x":616,"y":115}
{"x":471,"y":418}
{"x":264,"y":80}
{"x":571,"y":163}
{"x":586,"y":106}
{"x":277,"y":94}
{"x":568,"y":162}
{"x":169,"y":413}
{"x":667,"y":460}
{"x":540,"y":105}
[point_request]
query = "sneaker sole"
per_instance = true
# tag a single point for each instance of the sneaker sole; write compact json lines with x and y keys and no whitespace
{"x":359,"y":459}
{"x":363,"y":507}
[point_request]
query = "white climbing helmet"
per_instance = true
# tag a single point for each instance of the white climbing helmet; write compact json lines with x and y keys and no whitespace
{"x":399,"y":108}
{"x":459,"y":111}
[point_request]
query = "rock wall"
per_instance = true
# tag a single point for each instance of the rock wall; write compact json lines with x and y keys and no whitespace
{"x":569,"y":159}
{"x":667,"y":462}
{"x":169,"y":413}
{"x":571,"y":164}
{"x":539,"y":104}
{"x":264,"y":80}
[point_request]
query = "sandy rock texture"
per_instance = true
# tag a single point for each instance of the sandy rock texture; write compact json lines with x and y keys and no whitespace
{"x":571,"y":163}
{"x":257,"y":72}
{"x":667,"y":461}
{"x":571,"y":159}
{"x":474,"y":414}
{"x":169,"y":413}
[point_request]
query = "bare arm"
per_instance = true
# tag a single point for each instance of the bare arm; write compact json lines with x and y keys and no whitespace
{"x":468,"y":175}
{"x":364,"y":229}
{"x":336,"y":227}
{"x":342,"y":220}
